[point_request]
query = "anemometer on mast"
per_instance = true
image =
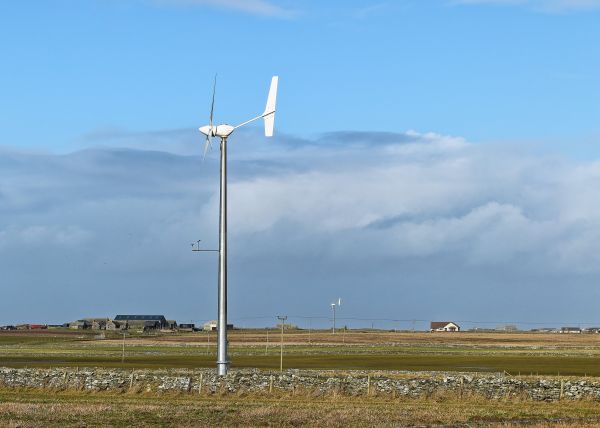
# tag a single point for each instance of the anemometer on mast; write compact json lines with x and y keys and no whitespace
{"x":223,"y":132}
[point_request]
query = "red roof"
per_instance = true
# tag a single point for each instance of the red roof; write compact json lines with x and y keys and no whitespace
{"x":37,"y":326}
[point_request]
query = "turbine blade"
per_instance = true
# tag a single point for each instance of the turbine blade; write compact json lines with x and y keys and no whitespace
{"x":269,"y":114}
{"x":207,"y":144}
{"x":212,"y":105}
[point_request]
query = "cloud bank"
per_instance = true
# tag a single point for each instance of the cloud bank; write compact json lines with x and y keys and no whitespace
{"x":405,"y":225}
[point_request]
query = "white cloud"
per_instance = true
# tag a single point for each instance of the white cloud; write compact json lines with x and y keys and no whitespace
{"x":328,"y":216}
{"x":255,"y":7}
{"x":542,"y":5}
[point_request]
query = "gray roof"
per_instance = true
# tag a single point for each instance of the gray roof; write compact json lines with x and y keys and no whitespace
{"x":140,"y":318}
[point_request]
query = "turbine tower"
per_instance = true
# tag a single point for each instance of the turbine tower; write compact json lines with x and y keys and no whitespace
{"x":223,"y":132}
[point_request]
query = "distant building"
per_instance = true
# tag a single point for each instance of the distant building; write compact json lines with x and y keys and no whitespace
{"x":22,"y":327}
{"x":139,"y":321}
{"x":97,"y":323}
{"x":212,"y":326}
{"x":507,"y":327}
{"x":592,"y":330}
{"x":151,"y":325}
{"x":8,"y":327}
{"x":112,"y":325}
{"x":443,"y":326}
{"x":80,"y":325}
{"x":570,"y":330}
{"x":38,"y":327}
{"x":186,"y":327}
{"x":172,"y":324}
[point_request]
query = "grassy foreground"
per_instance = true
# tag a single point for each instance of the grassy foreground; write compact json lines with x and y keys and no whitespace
{"x":31,"y":408}
{"x":523,"y":353}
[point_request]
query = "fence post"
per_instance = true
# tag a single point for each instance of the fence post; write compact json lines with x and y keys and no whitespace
{"x":562,"y":388}
{"x":131,"y":379}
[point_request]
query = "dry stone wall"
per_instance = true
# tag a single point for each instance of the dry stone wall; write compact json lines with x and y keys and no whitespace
{"x":316,"y":382}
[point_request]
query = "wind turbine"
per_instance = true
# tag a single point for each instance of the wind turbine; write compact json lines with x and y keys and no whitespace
{"x":223,"y":132}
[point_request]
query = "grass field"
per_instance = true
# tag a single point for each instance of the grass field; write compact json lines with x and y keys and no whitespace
{"x":516,"y":353}
{"x":30,"y":408}
{"x":522,"y":353}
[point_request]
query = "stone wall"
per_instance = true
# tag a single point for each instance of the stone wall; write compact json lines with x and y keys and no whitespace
{"x":316,"y":382}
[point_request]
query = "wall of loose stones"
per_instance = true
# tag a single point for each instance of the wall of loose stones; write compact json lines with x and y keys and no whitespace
{"x":316,"y":382}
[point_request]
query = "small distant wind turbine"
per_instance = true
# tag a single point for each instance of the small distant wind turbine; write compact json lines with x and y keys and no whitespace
{"x":333,"y":306}
{"x":223,"y":132}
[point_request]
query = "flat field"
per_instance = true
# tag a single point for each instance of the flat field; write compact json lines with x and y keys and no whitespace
{"x":515,"y":353}
{"x":518,"y":353}
{"x":31,"y":408}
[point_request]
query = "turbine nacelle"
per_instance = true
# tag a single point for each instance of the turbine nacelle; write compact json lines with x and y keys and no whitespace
{"x":222,"y":131}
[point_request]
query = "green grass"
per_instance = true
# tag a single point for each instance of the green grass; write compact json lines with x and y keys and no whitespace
{"x":77,"y":349}
{"x":524,"y":364}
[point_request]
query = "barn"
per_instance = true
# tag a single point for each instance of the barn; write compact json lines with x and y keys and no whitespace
{"x":142,"y":321}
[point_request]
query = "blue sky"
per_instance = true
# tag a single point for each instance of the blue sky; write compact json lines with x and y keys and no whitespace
{"x":483,"y":70}
{"x":442,"y":155}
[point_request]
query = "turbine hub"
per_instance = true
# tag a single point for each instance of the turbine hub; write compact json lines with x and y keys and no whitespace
{"x":217,"y":130}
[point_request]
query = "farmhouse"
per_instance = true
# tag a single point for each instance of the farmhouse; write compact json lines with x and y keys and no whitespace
{"x":443,"y":326}
{"x":142,"y":321}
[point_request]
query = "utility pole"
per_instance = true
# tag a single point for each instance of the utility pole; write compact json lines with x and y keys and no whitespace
{"x":281,"y":318}
{"x":123,"y":354}
{"x":267,"y":345}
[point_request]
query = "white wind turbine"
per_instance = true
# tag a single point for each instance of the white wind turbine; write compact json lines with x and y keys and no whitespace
{"x":223,"y":132}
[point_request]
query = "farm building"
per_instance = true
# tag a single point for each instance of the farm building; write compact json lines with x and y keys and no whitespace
{"x":212,"y":326}
{"x":443,"y":326}
{"x":80,"y":325}
{"x":187,"y":327}
{"x":139,"y":321}
{"x":172,"y":324}
{"x":151,"y":325}
{"x":38,"y":327}
{"x":97,"y":323}
{"x":570,"y":330}
{"x":115,"y":325}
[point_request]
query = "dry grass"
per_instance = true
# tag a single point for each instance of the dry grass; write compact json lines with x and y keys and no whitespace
{"x":30,"y":408}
